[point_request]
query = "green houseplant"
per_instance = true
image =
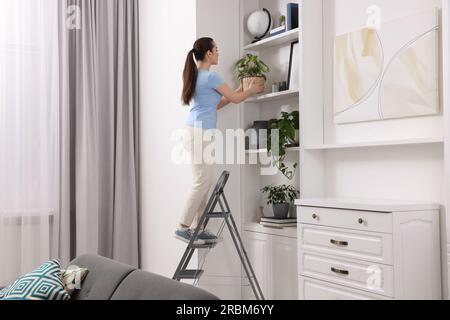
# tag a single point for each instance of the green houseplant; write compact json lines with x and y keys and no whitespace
{"x":249,"y":69}
{"x":288,"y":132}
{"x":280,"y":197}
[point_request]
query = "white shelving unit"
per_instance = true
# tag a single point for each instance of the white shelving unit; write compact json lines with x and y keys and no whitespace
{"x":281,"y":39}
{"x":275,"y":51}
{"x":386,"y":163}
{"x":290,"y":232}
{"x":269,"y":97}
{"x":400,"y":159}
{"x":264,"y":151}
{"x":272,"y":250}
{"x":372,"y":144}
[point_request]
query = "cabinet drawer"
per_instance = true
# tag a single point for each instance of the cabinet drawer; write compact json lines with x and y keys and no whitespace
{"x":349,"y":219}
{"x":368,"y":246}
{"x":366,"y":276}
{"x":310,"y":289}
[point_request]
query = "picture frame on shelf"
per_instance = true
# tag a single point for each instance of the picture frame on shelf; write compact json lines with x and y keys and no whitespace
{"x":293,"y":73}
{"x":292,"y":16}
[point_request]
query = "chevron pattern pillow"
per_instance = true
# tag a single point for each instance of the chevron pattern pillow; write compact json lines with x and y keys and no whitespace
{"x":3,"y":292}
{"x":44,"y":283}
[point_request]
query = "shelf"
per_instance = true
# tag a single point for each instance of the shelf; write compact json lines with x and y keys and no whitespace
{"x":265,"y":150}
{"x":376,"y":144}
{"x":275,"y":96}
{"x":283,"y":38}
{"x":377,"y":205}
{"x":290,"y":232}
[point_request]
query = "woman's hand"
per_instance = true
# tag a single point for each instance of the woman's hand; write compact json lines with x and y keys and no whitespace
{"x":241,"y":86}
{"x":230,"y":95}
{"x":257,"y":86}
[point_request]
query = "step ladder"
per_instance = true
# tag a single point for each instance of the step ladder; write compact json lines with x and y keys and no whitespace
{"x":217,"y":198}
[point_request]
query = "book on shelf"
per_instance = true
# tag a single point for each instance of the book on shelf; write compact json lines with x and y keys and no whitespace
{"x":279,"y":221}
{"x":277,"y":225}
{"x":277,"y":31}
{"x":292,"y":16}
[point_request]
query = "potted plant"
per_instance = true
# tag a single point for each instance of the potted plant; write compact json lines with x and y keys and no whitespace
{"x":280,"y":197}
{"x":288,"y":134}
{"x":249,"y":69}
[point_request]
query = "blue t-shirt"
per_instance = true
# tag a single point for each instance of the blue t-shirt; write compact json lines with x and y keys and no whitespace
{"x":203,"y":106}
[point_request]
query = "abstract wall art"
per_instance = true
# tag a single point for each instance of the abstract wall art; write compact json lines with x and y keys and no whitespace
{"x":388,"y":73}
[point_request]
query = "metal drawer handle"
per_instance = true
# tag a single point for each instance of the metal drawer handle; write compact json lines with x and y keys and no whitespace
{"x":361,"y":221}
{"x":339,"y":243}
{"x":341,"y":272}
{"x":315,"y":216}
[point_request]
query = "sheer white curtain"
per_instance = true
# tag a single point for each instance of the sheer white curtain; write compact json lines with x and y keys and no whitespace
{"x":29,"y":134}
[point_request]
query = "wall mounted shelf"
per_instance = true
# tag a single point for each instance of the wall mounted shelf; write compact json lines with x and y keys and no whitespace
{"x":275,"y":96}
{"x":293,"y":149}
{"x":284,"y":38}
{"x":376,"y":144}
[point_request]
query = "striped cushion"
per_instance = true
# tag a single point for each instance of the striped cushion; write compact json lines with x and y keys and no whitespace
{"x":44,"y":283}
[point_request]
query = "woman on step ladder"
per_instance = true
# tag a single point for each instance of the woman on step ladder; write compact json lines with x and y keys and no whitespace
{"x":205,"y":92}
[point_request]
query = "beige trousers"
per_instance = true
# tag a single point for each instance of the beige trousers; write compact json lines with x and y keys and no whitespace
{"x":194,"y":142}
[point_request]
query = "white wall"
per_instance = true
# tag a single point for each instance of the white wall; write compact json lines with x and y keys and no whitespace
{"x":167,"y":32}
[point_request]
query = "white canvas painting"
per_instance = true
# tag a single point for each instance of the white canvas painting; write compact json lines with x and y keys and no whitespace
{"x":392,"y":72}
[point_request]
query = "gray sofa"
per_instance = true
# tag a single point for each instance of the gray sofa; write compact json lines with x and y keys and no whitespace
{"x":111,"y":280}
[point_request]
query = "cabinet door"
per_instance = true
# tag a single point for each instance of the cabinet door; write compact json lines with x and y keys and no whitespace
{"x":258,"y":250}
{"x":284,"y":268}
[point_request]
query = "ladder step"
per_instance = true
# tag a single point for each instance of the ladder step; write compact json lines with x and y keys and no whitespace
{"x":214,"y":215}
{"x":204,"y":246}
{"x":190,"y":274}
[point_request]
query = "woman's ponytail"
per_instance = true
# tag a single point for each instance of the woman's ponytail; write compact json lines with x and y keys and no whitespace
{"x":190,"y":73}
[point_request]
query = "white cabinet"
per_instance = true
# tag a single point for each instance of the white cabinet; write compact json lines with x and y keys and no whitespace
{"x":311,"y":289}
{"x":368,"y":249}
{"x":274,"y":259}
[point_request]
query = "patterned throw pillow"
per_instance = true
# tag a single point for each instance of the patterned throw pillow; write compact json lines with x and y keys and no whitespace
{"x":44,"y":283}
{"x":3,"y":292}
{"x":73,"y":277}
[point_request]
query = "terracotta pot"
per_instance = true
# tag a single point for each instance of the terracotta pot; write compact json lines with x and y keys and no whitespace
{"x":247,"y":82}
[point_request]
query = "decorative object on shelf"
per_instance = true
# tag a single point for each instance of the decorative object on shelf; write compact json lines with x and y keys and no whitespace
{"x":292,"y":16}
{"x":277,"y":31}
{"x":259,"y":24}
{"x":288,"y":128}
{"x":282,"y":20}
{"x":278,"y":223}
{"x":280,"y":197}
{"x":251,"y":68}
{"x":282,"y":86}
{"x":257,"y":135}
{"x":294,"y":72}
{"x":275,"y":88}
{"x":392,"y":73}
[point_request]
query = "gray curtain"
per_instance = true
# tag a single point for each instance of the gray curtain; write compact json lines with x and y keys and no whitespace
{"x":99,"y":65}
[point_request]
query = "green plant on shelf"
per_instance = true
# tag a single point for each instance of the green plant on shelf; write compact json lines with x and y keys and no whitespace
{"x":251,"y":66}
{"x":280,"y":194}
{"x":287,"y":128}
